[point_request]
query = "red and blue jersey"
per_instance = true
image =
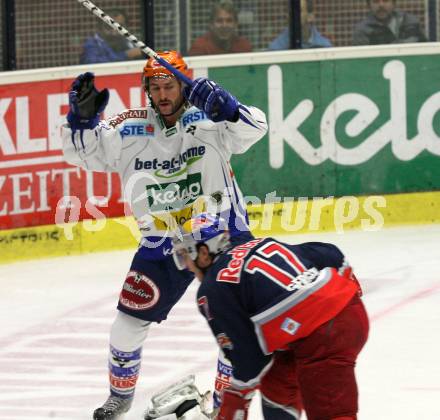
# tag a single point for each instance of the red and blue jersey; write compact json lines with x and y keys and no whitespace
{"x":262,"y":295}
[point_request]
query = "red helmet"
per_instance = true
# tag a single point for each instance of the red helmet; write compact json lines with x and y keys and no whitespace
{"x":154,"y":69}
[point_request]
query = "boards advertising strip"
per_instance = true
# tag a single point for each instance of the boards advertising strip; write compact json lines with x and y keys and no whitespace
{"x":342,"y":127}
{"x":369,"y":213}
{"x":352,"y":131}
{"x":34,"y":178}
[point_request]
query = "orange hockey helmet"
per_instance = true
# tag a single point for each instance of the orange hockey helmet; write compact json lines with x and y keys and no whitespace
{"x":155,"y":69}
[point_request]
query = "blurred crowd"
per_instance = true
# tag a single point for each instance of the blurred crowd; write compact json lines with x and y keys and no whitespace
{"x":214,"y":27}
{"x":385,"y":23}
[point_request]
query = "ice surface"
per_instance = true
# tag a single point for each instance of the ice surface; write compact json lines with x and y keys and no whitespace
{"x":55,"y":318}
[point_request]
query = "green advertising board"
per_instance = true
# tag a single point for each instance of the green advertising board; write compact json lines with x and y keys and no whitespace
{"x":341,"y":127}
{"x":354,"y":129}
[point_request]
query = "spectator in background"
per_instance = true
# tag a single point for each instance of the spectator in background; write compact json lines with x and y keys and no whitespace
{"x":223,"y":37}
{"x":310,"y":36}
{"x":387,"y":25}
{"x":107,"y":45}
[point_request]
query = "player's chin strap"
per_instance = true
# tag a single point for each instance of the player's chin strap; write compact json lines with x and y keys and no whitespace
{"x":180,"y":401}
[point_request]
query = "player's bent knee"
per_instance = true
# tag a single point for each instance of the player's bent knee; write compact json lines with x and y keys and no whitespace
{"x":274,"y":411}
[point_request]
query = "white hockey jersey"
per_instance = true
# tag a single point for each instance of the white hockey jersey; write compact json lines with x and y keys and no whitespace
{"x":169,"y":174}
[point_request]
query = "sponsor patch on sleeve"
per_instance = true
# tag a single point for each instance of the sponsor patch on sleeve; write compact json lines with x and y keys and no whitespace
{"x":290,"y":326}
{"x":139,"y":292}
{"x":131,"y":113}
{"x":131,"y":129}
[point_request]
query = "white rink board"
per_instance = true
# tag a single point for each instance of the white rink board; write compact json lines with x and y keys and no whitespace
{"x":55,"y":318}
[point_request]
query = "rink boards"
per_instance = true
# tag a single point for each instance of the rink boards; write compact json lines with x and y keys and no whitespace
{"x":322,"y":215}
{"x":352,"y":137}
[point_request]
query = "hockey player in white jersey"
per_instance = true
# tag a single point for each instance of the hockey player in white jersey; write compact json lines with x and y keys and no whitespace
{"x":173,"y":161}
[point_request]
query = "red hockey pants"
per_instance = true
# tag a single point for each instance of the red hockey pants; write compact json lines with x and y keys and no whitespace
{"x":317,"y":372}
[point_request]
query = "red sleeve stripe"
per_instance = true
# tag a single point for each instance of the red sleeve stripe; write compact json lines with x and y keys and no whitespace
{"x":305,"y":310}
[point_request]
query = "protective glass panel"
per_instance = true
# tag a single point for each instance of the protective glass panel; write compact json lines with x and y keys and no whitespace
{"x":51,"y":33}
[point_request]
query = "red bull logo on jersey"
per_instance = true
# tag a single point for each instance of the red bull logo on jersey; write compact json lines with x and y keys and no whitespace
{"x":231,"y":273}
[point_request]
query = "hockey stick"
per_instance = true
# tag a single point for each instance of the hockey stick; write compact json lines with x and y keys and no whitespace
{"x":147,"y":50}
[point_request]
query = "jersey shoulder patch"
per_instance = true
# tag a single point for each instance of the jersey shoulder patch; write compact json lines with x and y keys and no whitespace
{"x":125,"y":115}
{"x":193,"y":115}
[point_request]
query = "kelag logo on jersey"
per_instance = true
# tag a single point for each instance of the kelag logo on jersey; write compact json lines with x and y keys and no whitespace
{"x":174,"y":195}
{"x":193,"y":117}
{"x":137,"y":130}
{"x":178,"y":165}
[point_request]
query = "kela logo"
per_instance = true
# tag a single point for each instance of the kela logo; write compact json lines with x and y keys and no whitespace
{"x":175,"y":195}
{"x":365,"y":111}
{"x":178,"y":165}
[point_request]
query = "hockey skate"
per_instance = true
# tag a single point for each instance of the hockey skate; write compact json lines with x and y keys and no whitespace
{"x":112,"y":408}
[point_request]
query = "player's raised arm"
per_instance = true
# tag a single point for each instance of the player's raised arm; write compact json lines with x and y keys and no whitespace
{"x":83,"y":133}
{"x":243,"y":125}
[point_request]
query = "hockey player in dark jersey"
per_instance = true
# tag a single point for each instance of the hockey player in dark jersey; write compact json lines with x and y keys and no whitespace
{"x":288,"y":317}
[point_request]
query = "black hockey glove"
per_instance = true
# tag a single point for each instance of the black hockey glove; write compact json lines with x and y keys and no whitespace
{"x":86,"y":103}
{"x":217,"y":103}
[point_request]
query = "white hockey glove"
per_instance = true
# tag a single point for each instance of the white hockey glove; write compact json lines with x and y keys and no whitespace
{"x":180,"y":401}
